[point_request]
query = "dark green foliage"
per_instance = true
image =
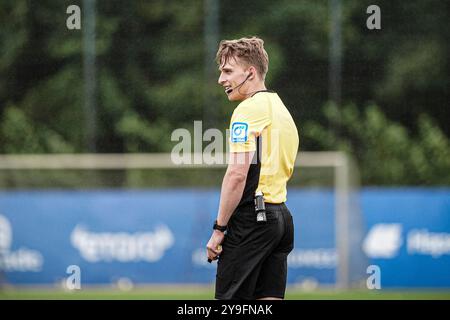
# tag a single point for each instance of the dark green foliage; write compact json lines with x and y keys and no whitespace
{"x":388,"y":153}
{"x":151,"y":79}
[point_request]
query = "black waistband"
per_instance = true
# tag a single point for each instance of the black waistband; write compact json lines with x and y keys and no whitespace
{"x":274,"y":205}
{"x":269,"y":206}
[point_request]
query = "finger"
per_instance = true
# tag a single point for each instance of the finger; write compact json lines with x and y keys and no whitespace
{"x":210,"y":256}
{"x":213,"y":254}
{"x":213,"y":258}
{"x":211,"y":250}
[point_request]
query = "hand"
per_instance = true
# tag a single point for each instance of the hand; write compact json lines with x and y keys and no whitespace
{"x":214,"y":247}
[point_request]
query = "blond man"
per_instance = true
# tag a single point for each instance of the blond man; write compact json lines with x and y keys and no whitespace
{"x":252,"y":242}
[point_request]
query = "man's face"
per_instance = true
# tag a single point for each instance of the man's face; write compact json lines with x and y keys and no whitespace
{"x":232,"y":76}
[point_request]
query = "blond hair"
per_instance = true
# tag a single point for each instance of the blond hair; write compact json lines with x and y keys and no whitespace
{"x":250,"y":51}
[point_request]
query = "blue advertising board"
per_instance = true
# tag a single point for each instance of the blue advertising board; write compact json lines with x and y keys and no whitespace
{"x":408,"y":235}
{"x":159,"y":236}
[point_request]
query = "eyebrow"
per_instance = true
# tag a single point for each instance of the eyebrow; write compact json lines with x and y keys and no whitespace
{"x":225,"y":69}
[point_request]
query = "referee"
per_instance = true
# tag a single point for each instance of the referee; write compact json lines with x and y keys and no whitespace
{"x":252,"y":253}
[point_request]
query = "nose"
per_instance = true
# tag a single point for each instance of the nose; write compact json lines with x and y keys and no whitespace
{"x":221,"y":79}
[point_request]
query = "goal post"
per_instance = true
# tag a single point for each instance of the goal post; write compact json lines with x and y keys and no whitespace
{"x":344,"y":182}
{"x":349,"y":226}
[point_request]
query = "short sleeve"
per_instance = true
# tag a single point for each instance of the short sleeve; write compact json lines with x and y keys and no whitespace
{"x":247,"y":122}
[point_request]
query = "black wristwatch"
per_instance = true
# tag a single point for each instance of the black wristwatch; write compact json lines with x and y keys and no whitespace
{"x":218,"y":227}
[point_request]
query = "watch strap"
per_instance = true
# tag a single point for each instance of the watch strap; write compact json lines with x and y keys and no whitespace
{"x":219,"y":227}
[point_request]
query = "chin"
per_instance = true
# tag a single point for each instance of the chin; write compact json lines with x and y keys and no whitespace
{"x":234,"y":98}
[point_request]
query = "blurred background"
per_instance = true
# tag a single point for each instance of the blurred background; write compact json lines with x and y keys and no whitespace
{"x":111,"y":80}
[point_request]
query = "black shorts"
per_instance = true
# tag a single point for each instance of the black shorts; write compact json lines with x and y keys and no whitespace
{"x":253,"y":263}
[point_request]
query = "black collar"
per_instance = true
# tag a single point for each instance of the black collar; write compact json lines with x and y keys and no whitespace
{"x":271,"y":91}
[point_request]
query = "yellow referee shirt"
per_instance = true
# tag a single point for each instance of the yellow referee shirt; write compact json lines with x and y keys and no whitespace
{"x":262,"y":123}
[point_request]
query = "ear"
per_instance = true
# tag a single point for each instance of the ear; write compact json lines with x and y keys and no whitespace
{"x":252,"y":72}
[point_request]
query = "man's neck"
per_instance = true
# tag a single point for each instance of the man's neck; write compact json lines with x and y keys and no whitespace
{"x":257,"y":87}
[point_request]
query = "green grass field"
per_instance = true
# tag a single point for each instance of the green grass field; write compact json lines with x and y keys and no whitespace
{"x":205,"y":293}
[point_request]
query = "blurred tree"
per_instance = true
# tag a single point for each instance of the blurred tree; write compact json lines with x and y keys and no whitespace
{"x":20,"y":135}
{"x":404,"y":66}
{"x":387,"y":152}
{"x":150,"y":72}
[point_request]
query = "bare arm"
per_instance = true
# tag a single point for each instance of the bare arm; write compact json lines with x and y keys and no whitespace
{"x":233,"y":185}
{"x":232,"y":189}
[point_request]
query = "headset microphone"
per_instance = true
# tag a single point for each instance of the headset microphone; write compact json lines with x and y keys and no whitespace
{"x":239,"y":85}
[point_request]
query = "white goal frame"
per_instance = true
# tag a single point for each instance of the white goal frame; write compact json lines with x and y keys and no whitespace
{"x":337,"y":160}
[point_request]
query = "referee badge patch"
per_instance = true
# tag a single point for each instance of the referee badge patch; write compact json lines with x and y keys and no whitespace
{"x":239,"y":132}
